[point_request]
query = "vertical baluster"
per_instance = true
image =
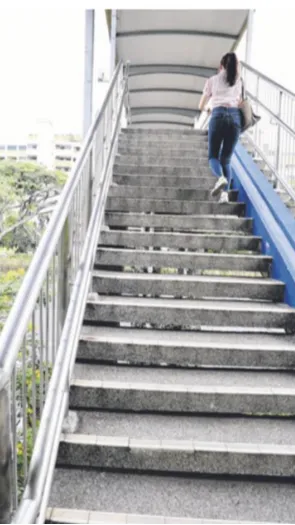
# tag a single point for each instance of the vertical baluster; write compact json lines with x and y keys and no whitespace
{"x":278,"y":143}
{"x":24,"y":409}
{"x":15,"y":439}
{"x":47,"y":333}
{"x":34,"y":401}
{"x":41,"y":364}
{"x":53,"y":310}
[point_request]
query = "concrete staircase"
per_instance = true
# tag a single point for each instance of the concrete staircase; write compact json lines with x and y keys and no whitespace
{"x":183,"y":396}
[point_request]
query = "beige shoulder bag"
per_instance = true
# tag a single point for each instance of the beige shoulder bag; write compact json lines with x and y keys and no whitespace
{"x":249,"y":118}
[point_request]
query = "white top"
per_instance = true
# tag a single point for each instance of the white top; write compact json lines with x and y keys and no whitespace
{"x":221,"y":93}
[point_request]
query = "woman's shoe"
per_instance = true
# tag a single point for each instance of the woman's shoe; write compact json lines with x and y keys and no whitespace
{"x":223,"y":197}
{"x":219,"y":186}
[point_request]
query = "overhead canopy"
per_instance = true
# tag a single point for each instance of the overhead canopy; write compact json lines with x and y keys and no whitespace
{"x":171,"y":53}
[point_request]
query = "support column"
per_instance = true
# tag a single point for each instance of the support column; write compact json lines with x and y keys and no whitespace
{"x":5,"y":454}
{"x":88,"y":69}
{"x":249,"y":37}
{"x":113,"y":41}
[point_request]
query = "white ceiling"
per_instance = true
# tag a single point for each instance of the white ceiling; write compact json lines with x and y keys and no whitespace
{"x":171,"y":45}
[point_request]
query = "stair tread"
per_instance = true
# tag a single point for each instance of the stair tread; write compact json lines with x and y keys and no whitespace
{"x":187,"y":253}
{"x":185,"y":278}
{"x":238,"y":430}
{"x":206,"y":380}
{"x":188,"y":339}
{"x":228,"y":305}
{"x":174,"y":496}
{"x":183,"y":235}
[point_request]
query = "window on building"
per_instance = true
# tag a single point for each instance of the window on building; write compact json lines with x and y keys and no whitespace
{"x":11,"y":147}
{"x":63,"y":168}
{"x":32,"y":146}
{"x":32,"y":157}
{"x":62,"y":158}
{"x":22,"y":148}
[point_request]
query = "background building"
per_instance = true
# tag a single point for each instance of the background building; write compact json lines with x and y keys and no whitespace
{"x":55,"y":151}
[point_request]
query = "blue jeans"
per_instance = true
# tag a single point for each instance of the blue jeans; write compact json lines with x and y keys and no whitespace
{"x":224,"y":129}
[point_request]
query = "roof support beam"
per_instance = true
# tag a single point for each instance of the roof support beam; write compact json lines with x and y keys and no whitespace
{"x":152,"y":69}
{"x":173,"y":32}
{"x":166,"y":90}
{"x":186,"y":112}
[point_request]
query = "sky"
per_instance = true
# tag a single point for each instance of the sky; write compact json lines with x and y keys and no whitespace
{"x":42,"y":68}
{"x":42,"y":53}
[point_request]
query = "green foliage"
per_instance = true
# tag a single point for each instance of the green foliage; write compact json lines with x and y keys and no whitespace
{"x":25,"y":188}
{"x":34,"y":381}
{"x":10,"y":282}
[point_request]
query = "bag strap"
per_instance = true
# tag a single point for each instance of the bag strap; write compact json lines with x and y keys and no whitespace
{"x":243,"y":89}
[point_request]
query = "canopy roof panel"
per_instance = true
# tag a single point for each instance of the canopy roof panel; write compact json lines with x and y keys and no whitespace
{"x":171,"y":53}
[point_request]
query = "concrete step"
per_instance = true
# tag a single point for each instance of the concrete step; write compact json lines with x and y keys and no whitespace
{"x":166,"y":193}
{"x":186,"y":349}
{"x":161,"y":160}
{"x":174,"y":206}
{"x":155,"y":132}
{"x":166,"y":143}
{"x":177,"y":496}
{"x":176,"y":259}
{"x":189,"y":314}
{"x":183,"y":391}
{"x":179,"y":427}
{"x":192,"y":151}
{"x":62,"y":515}
{"x":188,"y":286}
{"x":189,"y":456}
{"x":191,"y":223}
{"x":194,"y":241}
{"x":193,"y":181}
{"x":178,"y":170}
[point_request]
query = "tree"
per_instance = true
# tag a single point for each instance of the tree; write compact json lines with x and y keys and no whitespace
{"x":28,"y":193}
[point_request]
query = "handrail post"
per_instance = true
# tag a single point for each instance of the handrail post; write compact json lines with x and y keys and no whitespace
{"x":127,"y":96}
{"x":278,"y":150}
{"x":63,"y":275}
{"x":5,"y":454}
{"x":257,"y":108}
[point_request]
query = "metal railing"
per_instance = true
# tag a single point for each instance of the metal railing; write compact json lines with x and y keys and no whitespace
{"x":39,"y":341}
{"x":273,"y":138}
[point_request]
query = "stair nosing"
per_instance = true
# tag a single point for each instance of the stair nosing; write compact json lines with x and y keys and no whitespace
{"x":186,"y":278}
{"x":178,"y":444}
{"x":78,"y":516}
{"x":182,"y":388}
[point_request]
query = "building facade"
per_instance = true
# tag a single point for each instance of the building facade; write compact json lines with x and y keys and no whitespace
{"x":53,"y":151}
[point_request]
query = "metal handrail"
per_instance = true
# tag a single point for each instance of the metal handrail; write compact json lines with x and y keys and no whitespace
{"x":272,"y":114}
{"x":78,"y":216}
{"x":267,"y":79}
{"x":285,"y":186}
{"x":276,"y":147}
{"x":56,"y":400}
{"x":17,"y":321}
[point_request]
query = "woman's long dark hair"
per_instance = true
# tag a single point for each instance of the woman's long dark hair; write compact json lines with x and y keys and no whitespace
{"x":230,"y":64}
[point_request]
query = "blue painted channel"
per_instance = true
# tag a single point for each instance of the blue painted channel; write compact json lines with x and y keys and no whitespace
{"x":272,"y":219}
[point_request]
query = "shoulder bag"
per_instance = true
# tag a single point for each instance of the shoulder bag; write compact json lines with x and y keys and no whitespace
{"x":249,"y":118}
